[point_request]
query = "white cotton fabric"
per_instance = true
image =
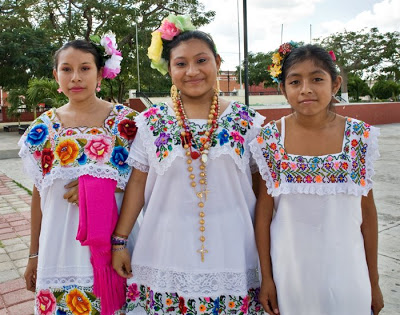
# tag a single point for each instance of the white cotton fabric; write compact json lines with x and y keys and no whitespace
{"x":165,"y":256}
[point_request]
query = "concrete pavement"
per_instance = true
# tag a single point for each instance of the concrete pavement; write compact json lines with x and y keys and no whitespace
{"x":15,"y":218}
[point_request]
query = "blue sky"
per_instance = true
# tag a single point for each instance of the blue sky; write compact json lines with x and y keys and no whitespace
{"x":265,"y":19}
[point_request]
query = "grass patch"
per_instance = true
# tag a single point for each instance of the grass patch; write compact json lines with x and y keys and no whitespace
{"x":1,"y":245}
{"x":23,"y":187}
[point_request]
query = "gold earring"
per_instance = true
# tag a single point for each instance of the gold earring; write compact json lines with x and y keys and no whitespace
{"x":174,"y":92}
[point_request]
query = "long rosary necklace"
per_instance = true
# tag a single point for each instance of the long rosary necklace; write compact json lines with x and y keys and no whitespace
{"x":202,"y":152}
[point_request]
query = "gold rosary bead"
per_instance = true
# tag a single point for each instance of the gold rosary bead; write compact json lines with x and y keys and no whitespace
{"x":202,"y":167}
{"x":189,"y":161}
{"x":201,"y":204}
{"x":190,"y":169}
{"x":186,"y":146}
{"x":202,"y":174}
{"x":209,"y":121}
{"x":211,"y":116}
{"x":212,"y":111}
{"x":202,"y":228}
{"x":183,"y":133}
{"x":202,"y":214}
{"x":193,"y":184}
{"x":180,"y":122}
{"x":187,"y":153}
{"x":191,"y":176}
{"x":202,"y":238}
{"x":202,"y":181}
{"x":206,"y":146}
{"x":202,"y":221}
{"x":207,"y":133}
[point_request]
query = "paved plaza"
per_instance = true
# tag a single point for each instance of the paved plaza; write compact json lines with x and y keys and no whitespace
{"x":15,"y":223}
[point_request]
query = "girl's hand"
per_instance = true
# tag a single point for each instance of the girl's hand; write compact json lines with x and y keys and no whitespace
{"x":377,"y":299}
{"x":31,"y":274}
{"x":268,"y":298}
{"x":121,"y":262}
{"x":72,"y":195}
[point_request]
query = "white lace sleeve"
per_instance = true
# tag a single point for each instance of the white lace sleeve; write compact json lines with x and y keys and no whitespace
{"x":137,"y":155}
{"x":371,"y":156}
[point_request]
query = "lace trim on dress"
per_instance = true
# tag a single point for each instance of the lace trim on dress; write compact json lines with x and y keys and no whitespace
{"x":135,"y":164}
{"x":196,"y":284}
{"x":58,"y":276}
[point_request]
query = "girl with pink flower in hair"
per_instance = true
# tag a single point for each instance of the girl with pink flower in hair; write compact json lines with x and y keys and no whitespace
{"x":87,"y":140}
{"x":316,"y":220}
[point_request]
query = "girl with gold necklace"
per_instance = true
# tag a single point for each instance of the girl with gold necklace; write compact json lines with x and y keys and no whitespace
{"x":196,"y":250}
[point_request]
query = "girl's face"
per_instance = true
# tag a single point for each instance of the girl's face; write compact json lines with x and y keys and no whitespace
{"x":193,"y":68}
{"x":77,"y":74}
{"x":309,"y":88}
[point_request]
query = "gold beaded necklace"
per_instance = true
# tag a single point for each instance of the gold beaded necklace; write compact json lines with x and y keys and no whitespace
{"x":187,"y":137}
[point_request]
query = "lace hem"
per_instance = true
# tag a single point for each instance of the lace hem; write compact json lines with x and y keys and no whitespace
{"x":57,"y":282}
{"x":372,"y":156}
{"x":72,"y":173}
{"x":196,"y":284}
{"x":135,"y":164}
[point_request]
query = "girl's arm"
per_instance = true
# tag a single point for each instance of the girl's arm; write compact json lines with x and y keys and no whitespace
{"x":369,"y":230}
{"x":263,"y":218}
{"x":36,"y":221}
{"x":132,"y":204}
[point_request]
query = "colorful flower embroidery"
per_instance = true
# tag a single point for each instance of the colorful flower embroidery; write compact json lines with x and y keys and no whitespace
{"x":78,"y":303}
{"x":37,"y":135}
{"x":67,"y":151}
{"x":167,"y":134}
{"x":127,"y":129}
{"x":98,"y":148}
{"x":45,"y":302}
{"x":171,"y":303}
{"x":332,"y":168}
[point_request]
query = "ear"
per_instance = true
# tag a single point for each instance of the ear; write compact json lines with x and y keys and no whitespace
{"x":282,"y":87}
{"x":100,"y":74}
{"x":218,"y":62}
{"x":336,"y":84}
{"x":55,"y":74}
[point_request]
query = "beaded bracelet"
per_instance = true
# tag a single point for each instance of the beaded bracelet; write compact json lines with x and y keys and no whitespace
{"x":118,"y":240}
{"x":33,"y":255}
{"x":116,"y":249}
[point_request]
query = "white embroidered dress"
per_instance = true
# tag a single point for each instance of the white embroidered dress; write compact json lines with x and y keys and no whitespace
{"x":317,"y":249}
{"x":168,"y":274}
{"x":54,"y":156}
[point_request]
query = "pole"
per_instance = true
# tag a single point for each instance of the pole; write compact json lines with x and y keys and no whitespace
{"x":245,"y":61}
{"x":240,"y":57}
{"x":137,"y":59}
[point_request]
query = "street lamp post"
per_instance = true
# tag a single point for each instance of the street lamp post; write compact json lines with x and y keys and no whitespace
{"x":245,"y":61}
{"x":137,"y":59}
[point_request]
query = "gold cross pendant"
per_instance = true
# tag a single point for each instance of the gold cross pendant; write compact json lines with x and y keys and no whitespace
{"x":202,"y":251}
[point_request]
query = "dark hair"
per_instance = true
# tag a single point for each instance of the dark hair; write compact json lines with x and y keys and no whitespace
{"x":84,"y":46}
{"x":169,"y":45}
{"x":319,"y":56}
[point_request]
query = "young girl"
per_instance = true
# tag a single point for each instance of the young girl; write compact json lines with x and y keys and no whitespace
{"x":196,"y":250}
{"x":316,"y":221}
{"x":86,"y":136}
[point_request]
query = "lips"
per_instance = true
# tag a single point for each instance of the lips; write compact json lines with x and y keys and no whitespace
{"x":76,"y":89}
{"x":307,"y":101}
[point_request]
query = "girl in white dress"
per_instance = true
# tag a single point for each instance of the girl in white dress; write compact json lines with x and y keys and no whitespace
{"x":316,"y":221}
{"x":86,"y":136}
{"x":196,"y":250}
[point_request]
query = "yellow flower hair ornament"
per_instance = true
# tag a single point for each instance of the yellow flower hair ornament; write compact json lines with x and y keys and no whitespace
{"x":170,"y":27}
{"x":278,"y":58}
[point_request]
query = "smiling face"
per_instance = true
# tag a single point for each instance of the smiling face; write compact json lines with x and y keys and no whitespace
{"x":309,"y":88}
{"x":77,"y":74}
{"x":193,"y":68}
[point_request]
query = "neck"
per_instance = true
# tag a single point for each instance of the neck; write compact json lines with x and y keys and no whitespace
{"x":318,"y":121}
{"x":84,"y":106}
{"x":198,"y":106}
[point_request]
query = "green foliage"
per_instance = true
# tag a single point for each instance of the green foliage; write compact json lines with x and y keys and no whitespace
{"x":61,"y":21}
{"x":385,"y":89}
{"x":257,"y":68}
{"x":357,"y":52}
{"x":44,"y":91}
{"x":357,"y":87}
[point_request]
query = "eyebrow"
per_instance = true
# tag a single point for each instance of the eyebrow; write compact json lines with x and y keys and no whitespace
{"x":83,"y":63}
{"x":182,"y":57}
{"x":311,"y":73}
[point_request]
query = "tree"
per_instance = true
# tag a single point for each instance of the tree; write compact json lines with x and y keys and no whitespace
{"x":258,"y":68}
{"x":356,"y":51}
{"x":391,"y":68}
{"x":66,"y":20}
{"x":385,"y":89}
{"x":357,"y":87}
{"x":44,"y":91}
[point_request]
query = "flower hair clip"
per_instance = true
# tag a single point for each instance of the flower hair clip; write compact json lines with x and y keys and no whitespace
{"x":108,"y":48}
{"x":275,"y":69}
{"x":170,"y":27}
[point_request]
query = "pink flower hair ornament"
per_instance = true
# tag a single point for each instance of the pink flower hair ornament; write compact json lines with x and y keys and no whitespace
{"x":107,"y":46}
{"x":170,"y":27}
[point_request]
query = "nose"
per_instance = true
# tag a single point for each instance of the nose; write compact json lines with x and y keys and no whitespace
{"x":306,"y":87}
{"x":76,"y":77}
{"x":192,"y":69}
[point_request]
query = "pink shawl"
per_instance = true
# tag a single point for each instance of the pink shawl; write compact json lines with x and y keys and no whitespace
{"x":98,"y":215}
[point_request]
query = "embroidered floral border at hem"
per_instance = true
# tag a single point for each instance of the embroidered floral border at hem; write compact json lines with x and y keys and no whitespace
{"x":151,"y":302}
